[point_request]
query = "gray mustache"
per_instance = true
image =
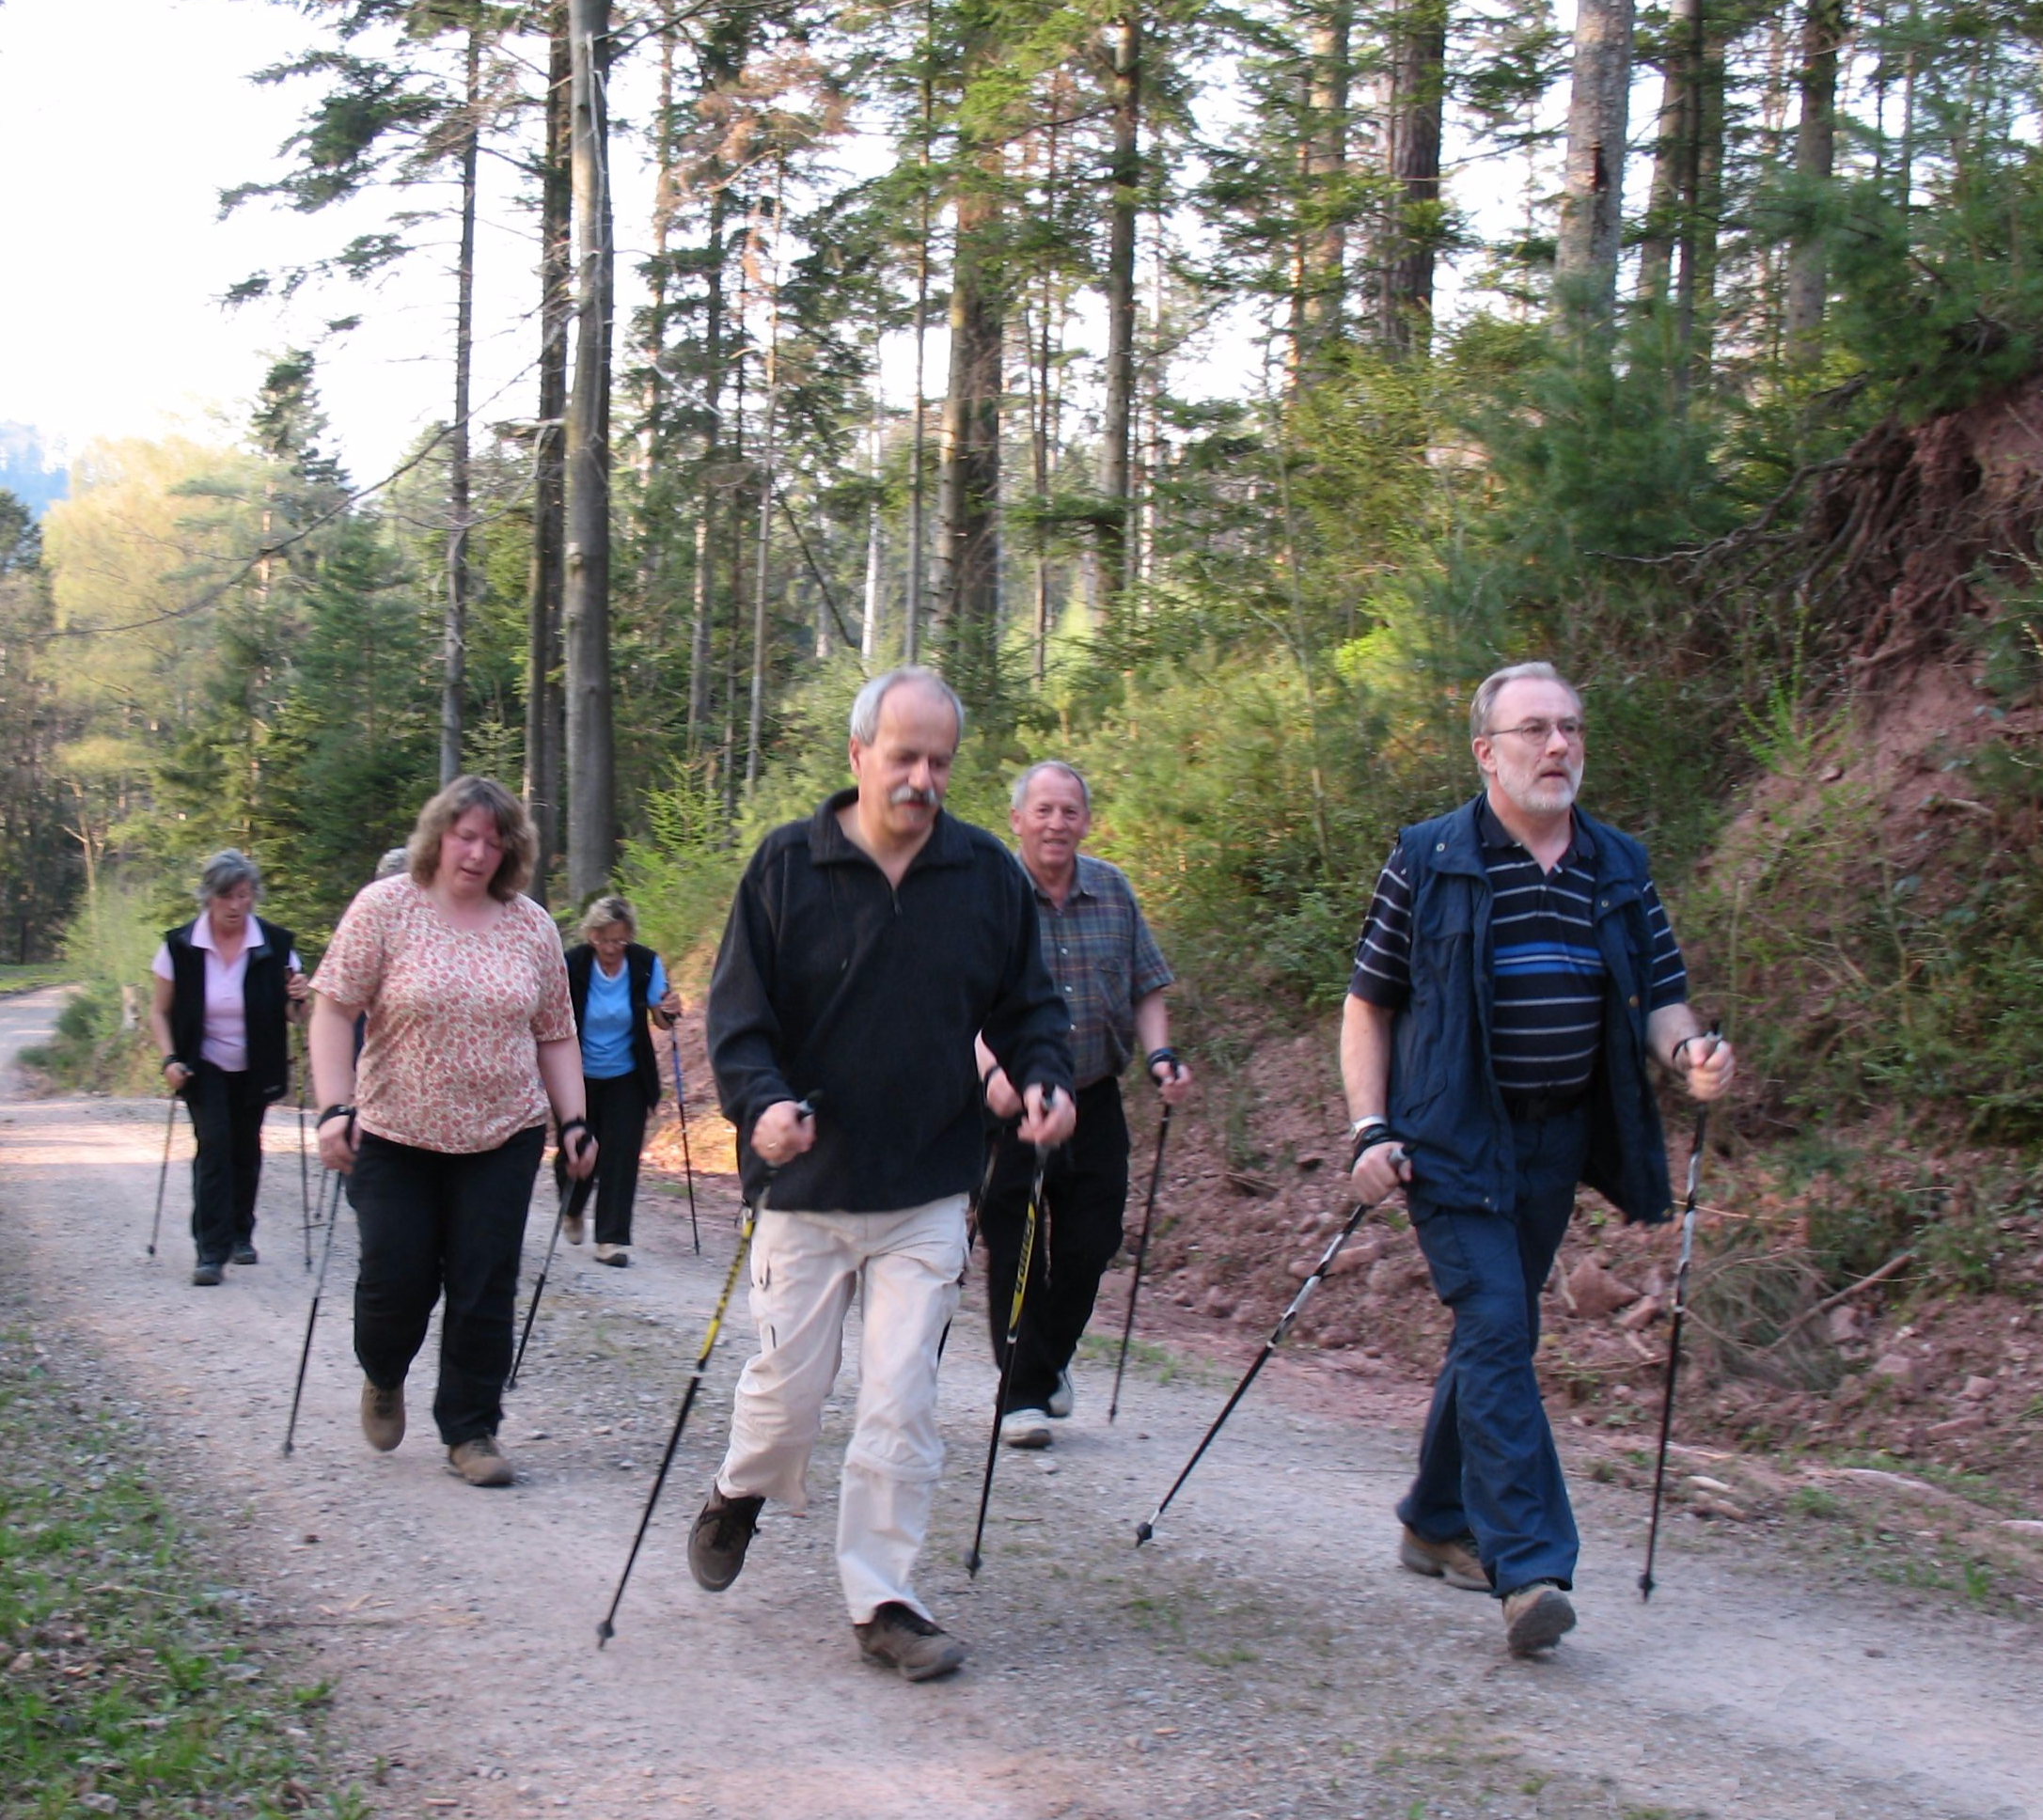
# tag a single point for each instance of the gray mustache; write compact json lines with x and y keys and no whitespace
{"x":909,"y":794}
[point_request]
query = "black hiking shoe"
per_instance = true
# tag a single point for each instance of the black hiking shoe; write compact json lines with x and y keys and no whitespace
{"x":897,"y":1636}
{"x":246,"y":1253}
{"x":206,"y":1274}
{"x":722,"y":1534}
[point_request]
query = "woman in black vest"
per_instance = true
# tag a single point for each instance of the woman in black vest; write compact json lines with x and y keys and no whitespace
{"x":615,"y":982}
{"x":225,"y":984}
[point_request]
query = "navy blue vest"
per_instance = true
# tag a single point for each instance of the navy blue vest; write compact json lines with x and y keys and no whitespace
{"x":1444,"y":1101}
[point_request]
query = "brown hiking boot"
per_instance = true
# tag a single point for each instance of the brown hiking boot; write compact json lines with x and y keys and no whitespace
{"x":383,"y":1416}
{"x":722,"y":1534}
{"x":481,"y":1462}
{"x":896,"y":1637}
{"x":572,"y":1228}
{"x":1453,"y":1560}
{"x":1536,"y":1617}
{"x":618,"y":1256}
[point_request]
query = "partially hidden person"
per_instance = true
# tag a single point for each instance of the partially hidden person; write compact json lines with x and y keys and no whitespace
{"x":617,"y":985}
{"x":1111,"y":976}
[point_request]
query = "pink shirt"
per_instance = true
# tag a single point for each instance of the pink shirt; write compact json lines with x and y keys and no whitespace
{"x":226,"y":1040}
{"x":455,"y":1017}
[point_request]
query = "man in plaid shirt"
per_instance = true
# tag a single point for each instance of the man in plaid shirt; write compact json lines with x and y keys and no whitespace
{"x":1106,"y":965}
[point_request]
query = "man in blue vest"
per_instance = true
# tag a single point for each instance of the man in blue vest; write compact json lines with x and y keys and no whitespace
{"x":1514,"y":976}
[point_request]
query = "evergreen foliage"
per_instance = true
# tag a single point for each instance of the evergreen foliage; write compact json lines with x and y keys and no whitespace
{"x":1333,"y":526}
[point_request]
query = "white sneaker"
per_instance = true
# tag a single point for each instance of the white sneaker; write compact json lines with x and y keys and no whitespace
{"x":1062,"y":1398}
{"x":1025,"y":1428}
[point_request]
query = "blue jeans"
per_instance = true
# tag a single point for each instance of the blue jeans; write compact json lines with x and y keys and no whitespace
{"x":1486,"y":1463}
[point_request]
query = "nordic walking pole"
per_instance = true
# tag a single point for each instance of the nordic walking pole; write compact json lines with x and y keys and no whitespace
{"x":305,"y":1176}
{"x":1673,"y":1337}
{"x":319,"y":1286}
{"x":971,"y":1231}
{"x":687,"y":1161}
{"x":1141,"y":1251}
{"x":572,"y":1200}
{"x":162,"y":1176}
{"x":1145,"y":1530}
{"x":607,"y":1628}
{"x":1031,"y":1219}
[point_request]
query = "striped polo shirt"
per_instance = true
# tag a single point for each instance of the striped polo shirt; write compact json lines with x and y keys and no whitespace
{"x":1546,"y":970}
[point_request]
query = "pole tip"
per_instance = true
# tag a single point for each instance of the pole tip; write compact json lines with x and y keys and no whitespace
{"x":971,"y":1565}
{"x":1143,"y":1533}
{"x":605,"y":1631}
{"x":287,"y":1450}
{"x":1645,"y":1586}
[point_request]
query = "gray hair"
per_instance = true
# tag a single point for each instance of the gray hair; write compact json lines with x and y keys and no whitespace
{"x":223,"y":873}
{"x":865,"y":711}
{"x":1493,"y":685}
{"x":397,"y":860}
{"x":602,"y":912}
{"x":1019,"y":795}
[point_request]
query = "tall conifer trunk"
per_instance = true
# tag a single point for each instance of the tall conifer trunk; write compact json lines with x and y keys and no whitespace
{"x":1319,"y":303}
{"x":455,"y":655}
{"x":1418,"y":87}
{"x":911,"y":606}
{"x":721,"y":60}
{"x":592,"y":755}
{"x":771,"y":265}
{"x":1669,"y":197}
{"x":1593,"y":182}
{"x":968,"y":490}
{"x":1815,"y":149}
{"x":1117,"y":434}
{"x":544,"y":741}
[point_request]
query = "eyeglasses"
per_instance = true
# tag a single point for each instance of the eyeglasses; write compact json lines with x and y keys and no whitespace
{"x":1538,"y":732}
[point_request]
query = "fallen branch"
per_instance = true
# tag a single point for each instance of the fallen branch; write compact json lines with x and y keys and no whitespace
{"x":1828,"y":1302}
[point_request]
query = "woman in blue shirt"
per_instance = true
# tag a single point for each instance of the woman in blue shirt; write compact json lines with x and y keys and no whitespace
{"x":615,"y":984}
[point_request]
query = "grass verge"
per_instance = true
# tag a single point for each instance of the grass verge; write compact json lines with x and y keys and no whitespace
{"x":125,"y":1686}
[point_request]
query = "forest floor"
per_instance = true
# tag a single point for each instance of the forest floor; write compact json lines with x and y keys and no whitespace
{"x":1813,"y":1653}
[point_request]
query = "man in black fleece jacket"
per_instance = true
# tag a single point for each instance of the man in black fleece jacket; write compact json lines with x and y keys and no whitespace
{"x":865,"y":947}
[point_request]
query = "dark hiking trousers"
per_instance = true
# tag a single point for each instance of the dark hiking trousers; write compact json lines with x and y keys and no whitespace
{"x":226,"y":1115}
{"x":1486,"y":1462}
{"x":1085,"y":1194}
{"x":434,"y":1223}
{"x":616,"y":1121}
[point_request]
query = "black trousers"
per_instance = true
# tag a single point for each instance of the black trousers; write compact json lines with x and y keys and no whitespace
{"x":1085,"y":1192}
{"x":226,"y":1170}
{"x":617,"y":1119}
{"x":431,"y":1224}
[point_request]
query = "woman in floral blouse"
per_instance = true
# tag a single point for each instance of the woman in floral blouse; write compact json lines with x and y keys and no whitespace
{"x":470,"y":1038}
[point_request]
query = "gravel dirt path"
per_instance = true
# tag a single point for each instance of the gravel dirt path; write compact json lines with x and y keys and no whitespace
{"x":1263,"y":1657}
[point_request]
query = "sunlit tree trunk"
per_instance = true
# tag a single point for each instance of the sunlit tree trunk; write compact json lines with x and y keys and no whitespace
{"x":1593,"y":181}
{"x":454,"y":655}
{"x":592,"y":755}
{"x":544,"y":741}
